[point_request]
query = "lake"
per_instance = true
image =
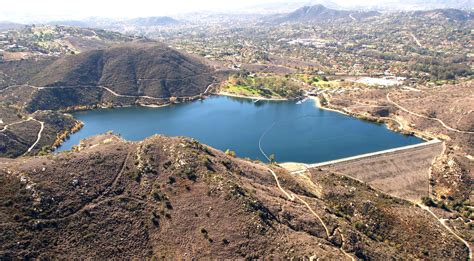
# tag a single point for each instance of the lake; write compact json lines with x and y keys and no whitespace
{"x":292,"y":132}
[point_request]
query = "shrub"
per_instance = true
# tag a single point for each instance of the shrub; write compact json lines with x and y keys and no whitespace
{"x":230,"y":153}
{"x":427,"y":201}
{"x":136,"y":175}
{"x":171,"y":180}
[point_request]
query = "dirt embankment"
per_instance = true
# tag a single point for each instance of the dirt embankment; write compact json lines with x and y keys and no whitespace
{"x":403,"y":173}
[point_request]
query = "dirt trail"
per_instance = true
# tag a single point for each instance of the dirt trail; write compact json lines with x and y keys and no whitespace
{"x":130,"y":96}
{"x":292,"y":198}
{"x":99,"y":199}
{"x":113,"y":92}
{"x":343,"y":239}
{"x":448,"y":228}
{"x":9,"y":87}
{"x":39,"y":136}
{"x":426,"y":117}
{"x":416,"y":40}
{"x":422,"y":207}
{"x":15,"y":123}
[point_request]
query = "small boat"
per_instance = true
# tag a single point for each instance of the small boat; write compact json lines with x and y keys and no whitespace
{"x":302,"y":101}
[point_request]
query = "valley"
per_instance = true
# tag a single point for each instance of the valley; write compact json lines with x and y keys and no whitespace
{"x":315,"y":132}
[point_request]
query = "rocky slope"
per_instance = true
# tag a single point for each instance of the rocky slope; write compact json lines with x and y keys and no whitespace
{"x":176,"y":198}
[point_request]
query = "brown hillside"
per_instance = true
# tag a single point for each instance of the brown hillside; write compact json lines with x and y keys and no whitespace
{"x":138,"y":69}
{"x":176,"y":198}
{"x":121,"y":75}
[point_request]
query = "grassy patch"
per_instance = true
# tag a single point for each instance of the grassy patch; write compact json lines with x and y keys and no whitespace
{"x":317,"y":81}
{"x":271,"y":86}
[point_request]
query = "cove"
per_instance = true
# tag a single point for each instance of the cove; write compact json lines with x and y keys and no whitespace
{"x":292,"y":132}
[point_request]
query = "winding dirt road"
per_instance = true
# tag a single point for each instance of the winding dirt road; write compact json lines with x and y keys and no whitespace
{"x":416,"y":40}
{"x":448,"y":228}
{"x":39,"y":135}
{"x":111,"y":91}
{"x":292,"y":198}
{"x":123,"y":95}
{"x":15,"y":123}
{"x":426,"y":117}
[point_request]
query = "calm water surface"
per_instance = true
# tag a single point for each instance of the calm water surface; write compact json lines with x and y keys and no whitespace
{"x":292,"y":132}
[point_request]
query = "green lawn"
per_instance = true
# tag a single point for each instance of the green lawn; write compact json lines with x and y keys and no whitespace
{"x":249,"y":91}
{"x":267,"y":86}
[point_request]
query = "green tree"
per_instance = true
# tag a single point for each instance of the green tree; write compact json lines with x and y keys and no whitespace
{"x":272,"y":159}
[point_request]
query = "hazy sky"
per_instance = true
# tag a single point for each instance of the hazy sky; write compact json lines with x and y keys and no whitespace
{"x":36,"y":10}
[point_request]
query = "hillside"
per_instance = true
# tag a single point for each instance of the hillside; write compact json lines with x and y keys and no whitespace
{"x":176,"y":198}
{"x":151,"y":21}
{"x":127,"y":71}
{"x":319,"y":14}
{"x":42,"y":41}
{"x":409,"y":5}
{"x":132,"y":74}
{"x":449,"y":14}
{"x":5,"y":25}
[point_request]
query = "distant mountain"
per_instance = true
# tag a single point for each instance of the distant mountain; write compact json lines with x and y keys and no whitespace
{"x":413,"y":5}
{"x":74,"y":23}
{"x":118,"y":25}
{"x":279,"y":7}
{"x":451,"y":14}
{"x":319,"y":13}
{"x":4,"y":25}
{"x":152,"y":21}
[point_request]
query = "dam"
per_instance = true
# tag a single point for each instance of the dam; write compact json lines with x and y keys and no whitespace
{"x":401,"y":172}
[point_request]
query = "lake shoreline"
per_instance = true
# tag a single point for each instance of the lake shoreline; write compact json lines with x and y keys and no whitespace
{"x":250,"y":97}
{"x":317,"y":100}
{"x":261,"y":118}
{"x":387,"y":121}
{"x":319,"y":105}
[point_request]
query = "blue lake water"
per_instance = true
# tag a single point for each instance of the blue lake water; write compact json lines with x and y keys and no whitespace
{"x":292,"y":132}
